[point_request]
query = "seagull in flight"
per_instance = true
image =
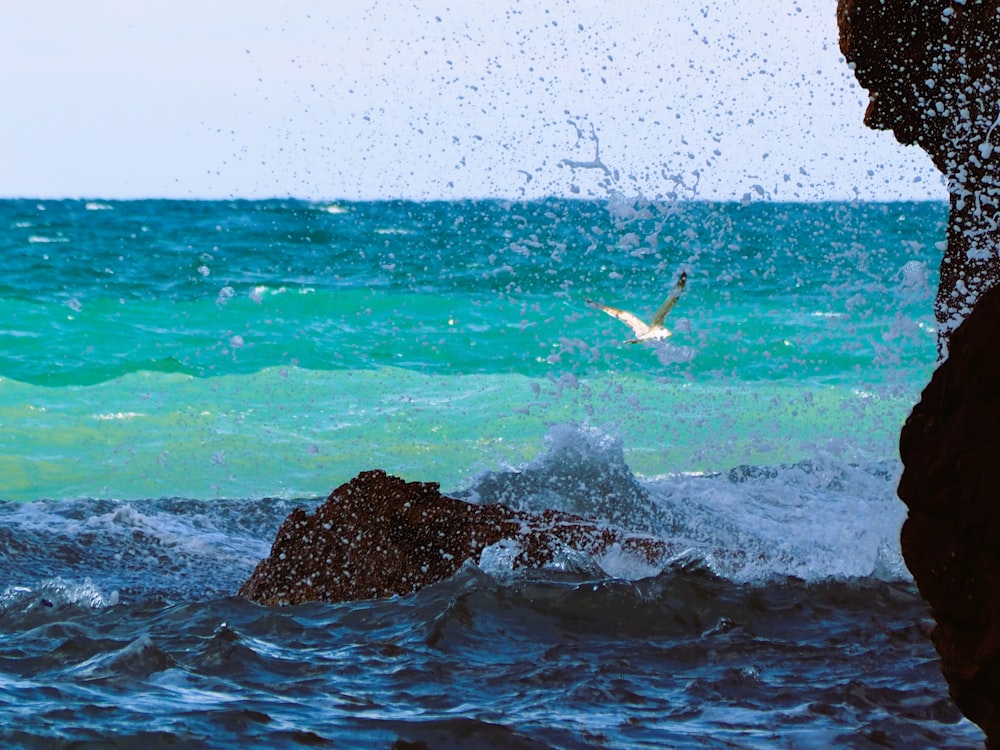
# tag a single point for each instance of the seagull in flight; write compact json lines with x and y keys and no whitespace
{"x":655,"y":330}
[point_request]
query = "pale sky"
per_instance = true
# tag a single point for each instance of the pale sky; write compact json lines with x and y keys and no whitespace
{"x":337,"y":99}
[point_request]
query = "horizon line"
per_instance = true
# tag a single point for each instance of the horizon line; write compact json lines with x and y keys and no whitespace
{"x":464,"y":199}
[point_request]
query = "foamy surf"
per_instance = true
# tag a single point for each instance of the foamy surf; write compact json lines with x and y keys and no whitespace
{"x":812,"y":520}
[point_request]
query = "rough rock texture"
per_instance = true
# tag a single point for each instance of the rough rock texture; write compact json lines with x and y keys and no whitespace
{"x":950,"y":448}
{"x":379,"y":535}
{"x":931,"y":74}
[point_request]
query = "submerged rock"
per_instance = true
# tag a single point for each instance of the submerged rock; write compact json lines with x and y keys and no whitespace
{"x":379,"y":535}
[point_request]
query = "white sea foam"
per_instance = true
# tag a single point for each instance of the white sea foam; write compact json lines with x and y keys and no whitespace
{"x":814,"y":520}
{"x":57,"y":592}
{"x":817,"y":519}
{"x":618,"y":562}
{"x":498,"y":559}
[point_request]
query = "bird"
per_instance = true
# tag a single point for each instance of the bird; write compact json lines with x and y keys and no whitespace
{"x":654,"y":331}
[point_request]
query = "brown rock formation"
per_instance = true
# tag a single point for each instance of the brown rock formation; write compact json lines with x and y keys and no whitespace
{"x":932,"y":74}
{"x":379,"y":535}
{"x":950,"y":448}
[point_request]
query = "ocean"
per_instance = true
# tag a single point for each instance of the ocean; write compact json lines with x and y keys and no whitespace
{"x":177,"y":376}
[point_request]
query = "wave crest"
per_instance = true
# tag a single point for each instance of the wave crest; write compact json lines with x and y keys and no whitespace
{"x":815,"y":519}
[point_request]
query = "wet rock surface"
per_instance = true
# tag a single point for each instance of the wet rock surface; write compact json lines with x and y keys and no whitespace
{"x":379,"y":535}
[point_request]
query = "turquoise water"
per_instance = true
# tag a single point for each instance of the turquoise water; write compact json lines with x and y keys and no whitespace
{"x":249,"y":349}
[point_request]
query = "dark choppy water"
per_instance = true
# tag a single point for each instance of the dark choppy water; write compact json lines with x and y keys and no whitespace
{"x":124,"y":633}
{"x":683,"y":659}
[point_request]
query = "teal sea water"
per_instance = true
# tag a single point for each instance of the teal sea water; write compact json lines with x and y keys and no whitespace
{"x":176,"y":376}
{"x":214,"y":349}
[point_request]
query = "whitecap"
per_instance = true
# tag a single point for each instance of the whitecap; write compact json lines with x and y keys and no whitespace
{"x":118,"y":416}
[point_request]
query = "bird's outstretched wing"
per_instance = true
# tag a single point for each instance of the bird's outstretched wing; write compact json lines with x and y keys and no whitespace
{"x":637,"y":326}
{"x":668,"y":305}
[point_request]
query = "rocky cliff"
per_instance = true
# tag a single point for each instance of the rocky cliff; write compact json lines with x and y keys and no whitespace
{"x":931,"y":73}
{"x":950,"y":447}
